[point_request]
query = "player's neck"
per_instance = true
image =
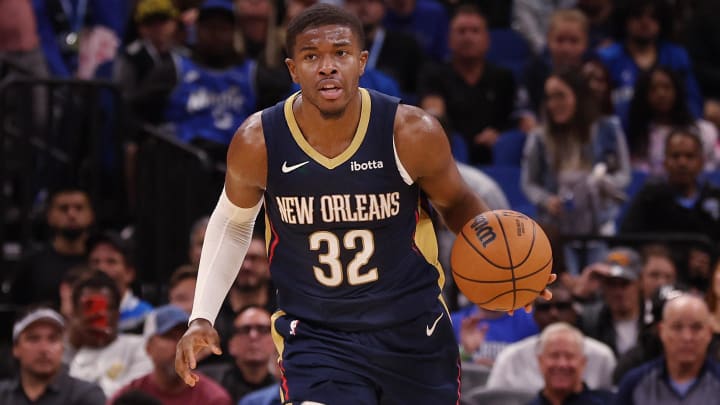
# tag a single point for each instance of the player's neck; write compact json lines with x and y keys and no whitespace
{"x":328,"y":135}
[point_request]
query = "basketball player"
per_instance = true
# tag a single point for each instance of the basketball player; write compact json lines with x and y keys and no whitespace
{"x":343,"y":173}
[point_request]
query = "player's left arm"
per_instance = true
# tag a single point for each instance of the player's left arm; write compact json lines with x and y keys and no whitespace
{"x":424,"y":151}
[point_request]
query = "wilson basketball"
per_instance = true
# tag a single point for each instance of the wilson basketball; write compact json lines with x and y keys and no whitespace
{"x":501,"y":260}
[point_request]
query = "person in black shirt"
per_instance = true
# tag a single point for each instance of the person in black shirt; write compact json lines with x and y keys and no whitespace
{"x":69,"y":216}
{"x":480,"y":96}
{"x":38,"y":348}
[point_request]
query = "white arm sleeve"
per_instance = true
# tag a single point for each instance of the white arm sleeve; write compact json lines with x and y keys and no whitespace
{"x":227,"y":239}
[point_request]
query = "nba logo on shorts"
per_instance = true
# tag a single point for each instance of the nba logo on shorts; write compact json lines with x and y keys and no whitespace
{"x":293,"y":326}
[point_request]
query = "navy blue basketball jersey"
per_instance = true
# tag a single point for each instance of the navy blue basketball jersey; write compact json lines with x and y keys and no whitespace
{"x":349,"y":242}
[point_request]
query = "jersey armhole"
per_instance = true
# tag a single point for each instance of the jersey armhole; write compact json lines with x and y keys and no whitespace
{"x":401,"y":169}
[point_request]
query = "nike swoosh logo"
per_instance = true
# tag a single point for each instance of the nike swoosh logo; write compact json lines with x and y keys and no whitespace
{"x":429,"y":330}
{"x":288,"y":169}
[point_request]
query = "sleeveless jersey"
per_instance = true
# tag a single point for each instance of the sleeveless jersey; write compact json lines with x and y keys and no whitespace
{"x":210,"y":104}
{"x":349,"y":242}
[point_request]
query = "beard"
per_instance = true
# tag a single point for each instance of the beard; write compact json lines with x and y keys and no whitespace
{"x":70,"y":234}
{"x":642,"y":41}
{"x":251,"y":285}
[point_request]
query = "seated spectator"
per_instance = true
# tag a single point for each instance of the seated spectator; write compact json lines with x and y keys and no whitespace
{"x":658,"y":108}
{"x":703,"y":45}
{"x":38,"y":349}
{"x":69,"y":217}
{"x":65,"y":288}
{"x":163,"y":382}
{"x":252,"y":350}
{"x":103,"y":356}
{"x":516,"y":366}
{"x":562,"y":363}
{"x":567,"y":45}
{"x":483,"y":334}
{"x":598,"y":78}
{"x":532,"y":19}
{"x":479,"y":96}
{"x":110,"y":254}
{"x":646,"y":25}
{"x":658,"y":270}
{"x":206,"y":96}
{"x":575,"y":167}
{"x":615,"y":320}
{"x":135,"y":397}
{"x":686,"y":373}
{"x":157,"y":25}
{"x":649,"y":345}
{"x":180,"y":294}
{"x":680,"y":201}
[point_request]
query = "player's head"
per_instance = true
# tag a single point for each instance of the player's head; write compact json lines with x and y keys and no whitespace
{"x":325,"y":45}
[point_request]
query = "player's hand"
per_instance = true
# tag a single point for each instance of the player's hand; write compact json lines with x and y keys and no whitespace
{"x":200,"y":335}
{"x":545,"y":294}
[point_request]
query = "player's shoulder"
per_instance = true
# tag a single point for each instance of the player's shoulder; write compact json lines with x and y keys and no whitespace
{"x":414,"y":121}
{"x":251,"y":130}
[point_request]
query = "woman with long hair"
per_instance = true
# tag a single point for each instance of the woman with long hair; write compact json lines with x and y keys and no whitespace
{"x":658,"y":107}
{"x":576,"y":166}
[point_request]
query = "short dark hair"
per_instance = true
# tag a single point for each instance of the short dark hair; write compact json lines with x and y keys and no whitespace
{"x":319,"y":15}
{"x":688,"y":132}
{"x":468,"y":9}
{"x":57,"y":190}
{"x":184,"y":272}
{"x":114,"y":240}
{"x":96,"y":280}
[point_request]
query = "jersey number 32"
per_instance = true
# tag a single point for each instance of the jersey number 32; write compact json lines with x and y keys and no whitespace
{"x":333,"y":274}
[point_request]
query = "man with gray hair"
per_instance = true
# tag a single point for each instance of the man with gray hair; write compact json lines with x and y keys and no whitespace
{"x":562,"y":362}
{"x":685,"y":374}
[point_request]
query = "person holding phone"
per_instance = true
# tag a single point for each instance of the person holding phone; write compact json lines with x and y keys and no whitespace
{"x":102,"y":356}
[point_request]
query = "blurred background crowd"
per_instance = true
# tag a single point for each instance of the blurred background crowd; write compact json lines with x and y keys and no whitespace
{"x":597,"y":118}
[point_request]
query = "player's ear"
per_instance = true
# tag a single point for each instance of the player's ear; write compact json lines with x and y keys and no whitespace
{"x":291,"y":68}
{"x":363,"y":61}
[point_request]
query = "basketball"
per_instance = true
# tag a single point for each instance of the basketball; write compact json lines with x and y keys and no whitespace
{"x":501,"y":260}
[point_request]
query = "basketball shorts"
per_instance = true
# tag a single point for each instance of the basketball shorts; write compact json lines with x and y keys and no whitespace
{"x":415,"y":362}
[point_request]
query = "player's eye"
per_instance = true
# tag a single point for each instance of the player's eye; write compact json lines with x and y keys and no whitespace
{"x":310,"y":57}
{"x":342,"y":52}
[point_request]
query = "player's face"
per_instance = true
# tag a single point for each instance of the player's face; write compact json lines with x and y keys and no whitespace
{"x":683,"y":160}
{"x":469,"y":38}
{"x":39,"y":349}
{"x":327,"y":63}
{"x":562,"y":363}
{"x":661,"y":96}
{"x":560,"y":100}
{"x":567,"y":43}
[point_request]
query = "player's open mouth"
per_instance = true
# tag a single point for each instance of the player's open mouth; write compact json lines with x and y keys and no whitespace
{"x":330,"y":91}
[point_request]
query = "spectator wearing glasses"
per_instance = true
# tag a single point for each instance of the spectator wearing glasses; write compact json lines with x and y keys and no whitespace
{"x":252,"y":349}
{"x":517,"y":366}
{"x":163,"y":382}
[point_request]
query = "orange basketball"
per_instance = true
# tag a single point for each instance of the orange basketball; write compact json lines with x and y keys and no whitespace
{"x":501,"y":260}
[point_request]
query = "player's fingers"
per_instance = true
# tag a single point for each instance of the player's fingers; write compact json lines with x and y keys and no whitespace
{"x":181,"y":367}
{"x":528,"y":308}
{"x":546,"y":294}
{"x":552,"y":278}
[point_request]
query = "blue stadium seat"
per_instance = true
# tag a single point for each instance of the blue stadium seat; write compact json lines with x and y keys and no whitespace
{"x":508,"y":49}
{"x":508,"y":177}
{"x":508,"y":149}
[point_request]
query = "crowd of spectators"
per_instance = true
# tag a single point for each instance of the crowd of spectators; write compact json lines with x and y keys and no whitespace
{"x":612,"y":108}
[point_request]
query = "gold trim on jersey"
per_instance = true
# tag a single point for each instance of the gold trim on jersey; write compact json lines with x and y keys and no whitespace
{"x":426,"y":242}
{"x":330,"y":163}
{"x":279,"y":343}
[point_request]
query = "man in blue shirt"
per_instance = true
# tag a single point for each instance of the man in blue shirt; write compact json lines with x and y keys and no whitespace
{"x":644,"y":45}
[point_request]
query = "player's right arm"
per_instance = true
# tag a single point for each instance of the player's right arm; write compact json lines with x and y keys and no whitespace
{"x":227,"y":238}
